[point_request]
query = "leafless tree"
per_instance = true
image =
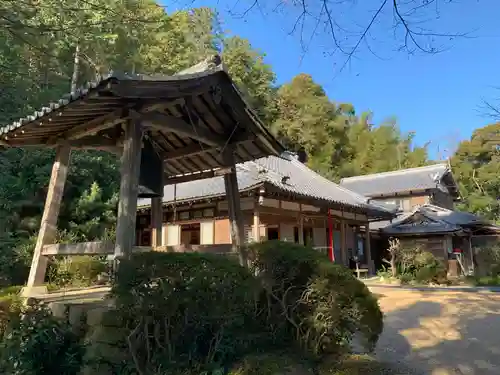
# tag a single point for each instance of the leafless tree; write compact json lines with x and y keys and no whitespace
{"x":394,"y":251}
{"x":354,"y":25}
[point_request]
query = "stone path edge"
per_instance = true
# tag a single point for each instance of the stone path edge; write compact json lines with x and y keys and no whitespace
{"x":470,"y":289}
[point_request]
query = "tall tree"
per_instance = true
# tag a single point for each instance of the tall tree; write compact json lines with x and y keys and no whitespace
{"x":252,"y":75}
{"x":340,"y":143}
{"x":476,"y":165}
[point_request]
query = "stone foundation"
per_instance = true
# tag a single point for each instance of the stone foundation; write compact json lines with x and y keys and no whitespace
{"x":101,"y":332}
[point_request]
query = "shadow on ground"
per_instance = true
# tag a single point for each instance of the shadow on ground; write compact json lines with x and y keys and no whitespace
{"x":438,"y":333}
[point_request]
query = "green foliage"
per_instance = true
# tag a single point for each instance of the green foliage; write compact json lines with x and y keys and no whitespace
{"x":274,"y":363}
{"x":187,"y":312}
{"x":488,"y":260}
{"x":76,"y":271}
{"x":415,"y":264}
{"x":10,"y":307}
{"x":485,"y":281}
{"x":339,"y":143}
{"x":39,"y":344}
{"x":313,"y":304}
{"x":476,"y":166}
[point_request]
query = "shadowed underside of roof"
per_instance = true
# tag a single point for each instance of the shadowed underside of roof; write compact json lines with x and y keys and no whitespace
{"x":190,"y":118}
{"x":404,"y":180}
{"x":286,"y":174}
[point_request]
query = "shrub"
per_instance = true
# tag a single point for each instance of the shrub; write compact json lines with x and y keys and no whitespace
{"x":186,"y":312}
{"x":311,"y":303}
{"x":274,"y":363}
{"x":415,"y":264}
{"x":428,"y":268}
{"x":76,"y":271}
{"x":488,"y":260}
{"x":10,"y":307}
{"x":40,"y":344}
{"x":405,"y":278}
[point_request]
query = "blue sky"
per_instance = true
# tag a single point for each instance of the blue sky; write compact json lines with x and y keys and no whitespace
{"x":438,"y":96}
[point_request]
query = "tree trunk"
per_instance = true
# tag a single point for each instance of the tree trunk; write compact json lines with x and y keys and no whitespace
{"x":76,"y":69}
{"x":393,"y":265}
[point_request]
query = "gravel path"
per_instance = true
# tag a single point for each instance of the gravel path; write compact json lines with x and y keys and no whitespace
{"x":440,"y":332}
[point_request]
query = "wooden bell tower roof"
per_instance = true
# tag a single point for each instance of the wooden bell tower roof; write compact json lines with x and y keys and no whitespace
{"x":189,"y":118}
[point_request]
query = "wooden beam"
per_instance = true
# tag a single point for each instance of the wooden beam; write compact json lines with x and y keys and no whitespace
{"x":83,"y":248}
{"x":195,"y":148}
{"x":91,"y":127}
{"x":95,"y":143}
{"x":92,"y":141}
{"x":189,"y":177}
{"x":157,"y":88}
{"x":234,"y":207}
{"x":48,"y":226}
{"x":180,"y":127}
{"x":129,"y":186}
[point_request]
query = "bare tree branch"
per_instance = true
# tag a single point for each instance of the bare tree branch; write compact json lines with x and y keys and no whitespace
{"x":410,"y":18}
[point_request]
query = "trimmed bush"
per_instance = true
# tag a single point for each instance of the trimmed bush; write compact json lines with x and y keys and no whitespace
{"x":196,"y":313}
{"x":40,"y":344}
{"x":311,"y":303}
{"x":186,"y":312}
{"x":10,"y":307}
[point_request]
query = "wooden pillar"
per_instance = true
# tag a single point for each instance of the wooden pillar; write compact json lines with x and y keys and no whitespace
{"x":129,"y":186}
{"x":48,"y":225}
{"x":156,"y":222}
{"x":343,"y":247}
{"x":369,"y":260}
{"x":234,"y":207}
{"x":256,"y":222}
{"x":301,"y":229}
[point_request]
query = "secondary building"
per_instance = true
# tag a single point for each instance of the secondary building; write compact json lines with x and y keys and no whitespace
{"x":425,"y":198}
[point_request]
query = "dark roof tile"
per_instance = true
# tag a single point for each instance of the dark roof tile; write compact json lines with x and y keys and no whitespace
{"x":271,"y":170}
{"x":404,"y":180}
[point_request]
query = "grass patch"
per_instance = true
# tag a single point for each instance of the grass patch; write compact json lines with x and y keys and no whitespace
{"x":484,"y":281}
{"x":7,"y":291}
{"x":286,"y":364}
{"x":361,"y":365}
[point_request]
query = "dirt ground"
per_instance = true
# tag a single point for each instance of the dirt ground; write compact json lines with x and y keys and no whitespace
{"x":440,"y":332}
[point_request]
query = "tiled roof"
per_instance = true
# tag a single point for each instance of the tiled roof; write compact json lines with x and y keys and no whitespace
{"x":201,"y":100}
{"x":438,"y":219}
{"x":403,"y":180}
{"x":270,"y":170}
{"x":200,"y":70}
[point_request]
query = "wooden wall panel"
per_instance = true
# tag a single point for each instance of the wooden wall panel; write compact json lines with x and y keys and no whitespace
{"x":420,"y":200}
{"x":173,"y":235}
{"x":207,"y":232}
{"x":319,"y":237}
{"x":222,"y":232}
{"x":287,"y":233}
